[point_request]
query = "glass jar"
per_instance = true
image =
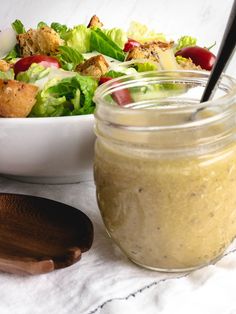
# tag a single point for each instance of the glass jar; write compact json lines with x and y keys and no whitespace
{"x":165,"y":168}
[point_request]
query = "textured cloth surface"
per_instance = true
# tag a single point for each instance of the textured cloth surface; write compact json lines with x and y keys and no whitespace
{"x":106,"y":282}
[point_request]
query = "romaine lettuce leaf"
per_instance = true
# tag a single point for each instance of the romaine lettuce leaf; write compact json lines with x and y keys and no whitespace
{"x":34,"y":73}
{"x":47,"y":106}
{"x":18,"y":27}
{"x":69,"y":58}
{"x":185,"y":41}
{"x":13,"y":54}
{"x":69,"y":96}
{"x":61,"y":29}
{"x":180,"y":59}
{"x":113,"y":74}
{"x":79,"y":38}
{"x":146,"y":66}
{"x":117,"y":35}
{"x":142,"y":34}
{"x":41,"y":24}
{"x":87,"y":87}
{"x":124,"y":67}
{"x":102,"y":43}
{"x":8,"y":75}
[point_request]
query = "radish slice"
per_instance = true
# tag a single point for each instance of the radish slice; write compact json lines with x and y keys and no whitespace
{"x":7,"y":41}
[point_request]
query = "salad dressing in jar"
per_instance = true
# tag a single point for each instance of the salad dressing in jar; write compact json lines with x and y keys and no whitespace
{"x":165,"y":168}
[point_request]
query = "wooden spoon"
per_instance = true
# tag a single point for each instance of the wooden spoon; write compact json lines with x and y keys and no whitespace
{"x":38,"y":235}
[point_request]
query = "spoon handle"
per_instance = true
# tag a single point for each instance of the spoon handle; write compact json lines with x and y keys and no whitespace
{"x":225,"y":52}
{"x":25,"y":266}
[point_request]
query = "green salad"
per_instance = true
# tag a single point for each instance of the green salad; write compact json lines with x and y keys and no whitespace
{"x":53,"y":70}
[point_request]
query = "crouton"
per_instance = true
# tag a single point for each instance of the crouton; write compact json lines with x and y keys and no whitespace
{"x":148,"y":51}
{"x":41,"y":41}
{"x":16,"y":98}
{"x":95,"y":22}
{"x":4,"y":66}
{"x":95,"y":67}
{"x":156,"y":51}
{"x":48,"y":40}
{"x":187,"y":64}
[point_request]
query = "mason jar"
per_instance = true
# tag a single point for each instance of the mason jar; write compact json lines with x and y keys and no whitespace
{"x":165,"y":167}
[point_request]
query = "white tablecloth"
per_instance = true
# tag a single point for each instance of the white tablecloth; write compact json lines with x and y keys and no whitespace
{"x":106,"y":282}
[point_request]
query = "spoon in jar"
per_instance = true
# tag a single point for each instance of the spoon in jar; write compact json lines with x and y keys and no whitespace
{"x":224,"y":55}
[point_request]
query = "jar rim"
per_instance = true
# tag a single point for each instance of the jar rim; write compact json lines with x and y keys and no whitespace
{"x":224,"y":103}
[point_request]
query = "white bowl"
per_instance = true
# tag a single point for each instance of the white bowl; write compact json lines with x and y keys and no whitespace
{"x":47,"y":150}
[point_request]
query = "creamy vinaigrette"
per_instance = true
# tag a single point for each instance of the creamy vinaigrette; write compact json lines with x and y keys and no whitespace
{"x":168,"y":213}
{"x":165,"y":170}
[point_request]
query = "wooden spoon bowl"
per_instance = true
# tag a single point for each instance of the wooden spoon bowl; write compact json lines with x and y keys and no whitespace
{"x":38,"y":235}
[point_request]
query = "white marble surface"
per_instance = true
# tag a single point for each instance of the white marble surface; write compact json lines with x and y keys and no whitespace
{"x":204,"y":19}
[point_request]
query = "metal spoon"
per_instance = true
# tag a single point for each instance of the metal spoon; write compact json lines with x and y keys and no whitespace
{"x":224,"y":55}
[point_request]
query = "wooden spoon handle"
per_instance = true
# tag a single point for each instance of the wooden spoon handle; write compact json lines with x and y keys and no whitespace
{"x":25,"y":266}
{"x":34,"y":266}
